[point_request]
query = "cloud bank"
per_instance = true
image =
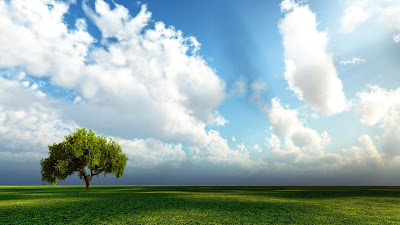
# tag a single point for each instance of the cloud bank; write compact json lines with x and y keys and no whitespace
{"x":142,"y":83}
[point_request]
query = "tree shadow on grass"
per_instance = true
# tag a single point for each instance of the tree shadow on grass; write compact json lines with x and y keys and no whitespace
{"x":290,"y":192}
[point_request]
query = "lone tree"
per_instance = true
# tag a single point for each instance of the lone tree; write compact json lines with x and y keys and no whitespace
{"x":82,"y":151}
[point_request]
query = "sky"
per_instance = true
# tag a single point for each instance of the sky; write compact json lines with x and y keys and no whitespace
{"x":205,"y":92}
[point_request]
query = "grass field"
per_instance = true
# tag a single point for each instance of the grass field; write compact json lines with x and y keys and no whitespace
{"x":199,"y":205}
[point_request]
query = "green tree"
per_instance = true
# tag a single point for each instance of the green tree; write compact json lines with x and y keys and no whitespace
{"x":82,"y":151}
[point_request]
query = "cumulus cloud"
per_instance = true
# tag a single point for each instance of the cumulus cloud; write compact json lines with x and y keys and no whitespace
{"x":287,"y":5}
{"x":310,"y":70}
{"x":380,"y":106}
{"x":145,"y":85}
{"x":28,"y":123}
{"x":352,"y":18}
{"x":353,"y":61}
{"x":151,"y":153}
{"x":216,"y":150}
{"x":151,"y":81}
{"x":257,"y":148}
{"x":383,"y":12}
{"x":35,"y":38}
{"x":219,"y":120}
{"x":147,"y":82}
{"x":373,"y":105}
{"x":152,"y":77}
{"x":301,"y":144}
{"x":365,"y":156}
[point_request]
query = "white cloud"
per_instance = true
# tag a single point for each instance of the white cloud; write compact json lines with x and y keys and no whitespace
{"x":310,"y":70}
{"x":241,"y":147}
{"x":257,"y":148}
{"x":25,"y":83}
{"x":148,"y":77}
{"x":352,"y":18}
{"x":20,"y":76}
{"x":151,"y":81}
{"x":257,"y":90}
{"x":353,"y":61}
{"x":233,"y":139}
{"x":381,"y":12}
{"x":151,"y":153}
{"x":287,"y":5}
{"x":373,"y":105}
{"x":396,"y":38}
{"x":302,"y":144}
{"x":217,"y":151}
{"x":239,"y":88}
{"x":113,"y":22}
{"x":34,"y":86}
{"x":35,"y":38}
{"x":219,"y":120}
{"x":380,"y":106}
{"x":388,"y":13}
{"x":364,"y":157}
{"x":27,"y":122}
{"x":77,"y":99}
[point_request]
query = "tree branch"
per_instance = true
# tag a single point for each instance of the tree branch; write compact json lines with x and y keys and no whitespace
{"x":82,"y":172}
{"x":97,"y":172}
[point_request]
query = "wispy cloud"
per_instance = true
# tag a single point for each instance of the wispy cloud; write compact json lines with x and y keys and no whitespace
{"x":257,"y":88}
{"x":396,"y":38}
{"x":239,"y":88}
{"x":354,"y":60}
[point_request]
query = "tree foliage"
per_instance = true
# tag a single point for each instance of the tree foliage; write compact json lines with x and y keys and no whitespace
{"x":80,"y":151}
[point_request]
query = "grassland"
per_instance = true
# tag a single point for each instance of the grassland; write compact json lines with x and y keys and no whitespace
{"x":199,"y":205}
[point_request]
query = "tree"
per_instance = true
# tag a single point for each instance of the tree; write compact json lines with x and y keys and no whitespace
{"x":82,"y":151}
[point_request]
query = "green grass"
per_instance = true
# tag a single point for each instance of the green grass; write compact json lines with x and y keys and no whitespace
{"x":199,"y":205}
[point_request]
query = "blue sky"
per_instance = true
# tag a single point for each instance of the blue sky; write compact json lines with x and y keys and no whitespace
{"x":210,"y":92}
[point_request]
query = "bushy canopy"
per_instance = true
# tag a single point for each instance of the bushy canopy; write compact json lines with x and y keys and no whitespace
{"x":80,"y":150}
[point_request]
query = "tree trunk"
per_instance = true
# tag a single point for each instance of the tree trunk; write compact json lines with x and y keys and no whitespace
{"x":87,"y":180}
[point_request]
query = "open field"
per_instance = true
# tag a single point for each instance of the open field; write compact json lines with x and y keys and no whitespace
{"x":199,"y":205}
